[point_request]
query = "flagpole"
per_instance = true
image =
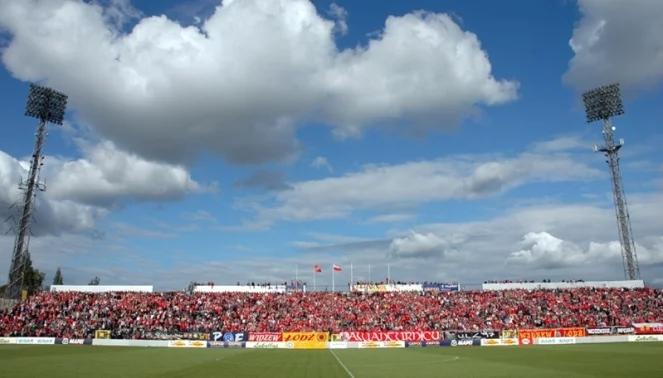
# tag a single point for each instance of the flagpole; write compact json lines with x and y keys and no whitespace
{"x":388,"y":273}
{"x":351,"y":280}
{"x":332,"y":269}
{"x":296,"y":276}
{"x":369,"y":273}
{"x":314,"y":274}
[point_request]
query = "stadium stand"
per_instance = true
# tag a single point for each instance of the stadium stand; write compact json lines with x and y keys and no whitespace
{"x":133,"y":315}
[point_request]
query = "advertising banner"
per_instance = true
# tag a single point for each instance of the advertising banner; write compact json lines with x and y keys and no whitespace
{"x":464,"y":335}
{"x":377,"y":344}
{"x":386,"y":288}
{"x":429,"y":286}
{"x":229,"y":336}
{"x":411,"y":336}
{"x":555,"y":340}
{"x":307,"y":340}
{"x":130,"y":343}
{"x":645,"y":338}
{"x":648,"y":328}
{"x":338,"y":345}
{"x":267,"y":345}
{"x":265,"y":336}
{"x":102,"y":334}
{"x":7,"y":340}
{"x":513,"y":341}
{"x":35,"y":340}
{"x":187,"y":344}
{"x":599,"y":331}
{"x":624,"y":330}
{"x":225,"y":344}
{"x":527,"y":336}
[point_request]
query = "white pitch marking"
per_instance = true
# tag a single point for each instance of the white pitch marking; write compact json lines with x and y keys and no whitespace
{"x":341,"y":363}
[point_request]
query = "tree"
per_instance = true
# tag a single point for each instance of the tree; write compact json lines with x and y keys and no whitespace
{"x":95,"y":281}
{"x":32,"y":278}
{"x":57,"y":280}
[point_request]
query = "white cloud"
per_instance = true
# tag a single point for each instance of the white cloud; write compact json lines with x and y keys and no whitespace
{"x":617,"y":41}
{"x":322,"y":162}
{"x":341,"y":16}
{"x":241,"y":83}
{"x":81,"y":191}
{"x":418,"y":245}
{"x":377,"y":187}
{"x":392,"y":217}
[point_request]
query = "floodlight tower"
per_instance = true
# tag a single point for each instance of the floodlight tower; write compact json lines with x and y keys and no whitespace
{"x":601,"y":104}
{"x":46,"y":105}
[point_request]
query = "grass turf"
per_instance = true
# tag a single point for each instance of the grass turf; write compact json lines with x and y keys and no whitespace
{"x":599,"y":360}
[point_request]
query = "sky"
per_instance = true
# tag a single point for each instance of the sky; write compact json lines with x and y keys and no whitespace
{"x":249,"y":140}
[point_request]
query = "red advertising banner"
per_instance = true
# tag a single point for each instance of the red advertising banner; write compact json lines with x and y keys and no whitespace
{"x":265,"y":336}
{"x":648,"y":328}
{"x":527,"y":336}
{"x":412,"y":336}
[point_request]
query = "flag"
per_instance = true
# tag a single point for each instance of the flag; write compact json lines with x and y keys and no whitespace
{"x":337,"y":268}
{"x":317,"y":269}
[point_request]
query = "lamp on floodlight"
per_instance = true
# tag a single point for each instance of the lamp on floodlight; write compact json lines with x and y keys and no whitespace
{"x":47,"y":105}
{"x":601,"y":104}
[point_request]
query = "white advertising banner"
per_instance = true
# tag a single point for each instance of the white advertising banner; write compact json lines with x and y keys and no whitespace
{"x":631,"y":284}
{"x":554,"y":340}
{"x":187,"y":344}
{"x":644,"y":338}
{"x":268,"y":345}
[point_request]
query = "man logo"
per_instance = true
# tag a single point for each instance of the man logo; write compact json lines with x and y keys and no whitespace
{"x":454,"y":343}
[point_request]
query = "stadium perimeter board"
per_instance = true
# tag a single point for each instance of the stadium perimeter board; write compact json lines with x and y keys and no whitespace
{"x":587,"y":360}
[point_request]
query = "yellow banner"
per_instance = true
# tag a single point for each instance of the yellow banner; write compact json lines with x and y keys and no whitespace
{"x":306,"y":340}
{"x":102,"y":334}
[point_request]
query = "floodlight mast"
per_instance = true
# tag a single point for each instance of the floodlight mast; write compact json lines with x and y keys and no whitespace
{"x":601,"y":104}
{"x":46,"y":105}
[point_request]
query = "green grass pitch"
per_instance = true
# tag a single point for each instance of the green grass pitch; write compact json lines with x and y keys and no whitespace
{"x":600,"y":360}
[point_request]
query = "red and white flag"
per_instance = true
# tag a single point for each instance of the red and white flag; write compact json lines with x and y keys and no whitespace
{"x":317,"y":269}
{"x":336,"y":267}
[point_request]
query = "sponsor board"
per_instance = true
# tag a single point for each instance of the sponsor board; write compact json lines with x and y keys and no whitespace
{"x":306,"y":340}
{"x":625,"y":330}
{"x":645,"y":338}
{"x":648,"y":328}
{"x":229,"y":336}
{"x":602,"y":339}
{"x":7,"y":340}
{"x":35,"y":340}
{"x":527,"y":336}
{"x":411,"y":336}
{"x":337,"y":345}
{"x":267,"y":345}
{"x":376,"y":344}
{"x":130,"y":343}
{"x":500,"y":342}
{"x":486,"y":334}
{"x":225,"y":344}
{"x":599,"y":331}
{"x":265,"y":336}
{"x":187,"y":344}
{"x":555,"y":340}
{"x":102,"y":334}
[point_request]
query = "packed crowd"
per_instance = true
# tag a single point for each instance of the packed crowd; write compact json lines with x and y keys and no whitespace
{"x":144,"y":315}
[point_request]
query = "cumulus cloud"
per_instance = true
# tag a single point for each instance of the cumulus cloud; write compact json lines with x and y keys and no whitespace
{"x":617,"y":41}
{"x":377,"y":187}
{"x":418,"y":245}
{"x":81,"y":191}
{"x":322,"y":162}
{"x":242,"y":81}
{"x":339,"y":13}
{"x":264,"y":179}
{"x":543,"y":250}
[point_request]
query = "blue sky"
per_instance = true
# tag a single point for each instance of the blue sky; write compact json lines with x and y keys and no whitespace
{"x":247,"y":141}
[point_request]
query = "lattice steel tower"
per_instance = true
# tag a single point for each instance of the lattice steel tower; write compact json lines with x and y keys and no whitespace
{"x":602,"y":104}
{"x":46,"y":105}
